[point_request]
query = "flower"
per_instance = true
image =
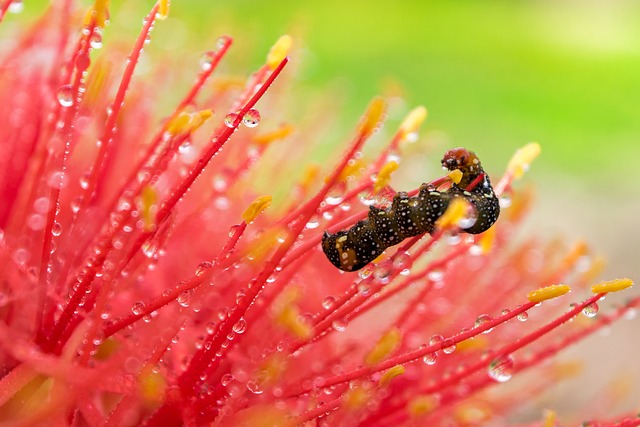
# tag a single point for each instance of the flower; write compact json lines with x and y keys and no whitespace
{"x":146,"y":280}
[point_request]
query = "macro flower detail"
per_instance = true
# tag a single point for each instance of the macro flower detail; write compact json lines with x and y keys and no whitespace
{"x":147,"y":279}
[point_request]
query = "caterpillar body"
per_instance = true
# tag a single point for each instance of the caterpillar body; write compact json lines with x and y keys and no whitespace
{"x":352,"y":249}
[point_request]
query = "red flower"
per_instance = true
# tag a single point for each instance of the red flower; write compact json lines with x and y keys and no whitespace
{"x":142,"y":282}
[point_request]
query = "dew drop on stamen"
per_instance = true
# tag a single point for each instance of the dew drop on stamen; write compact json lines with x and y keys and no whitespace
{"x":252,"y":118}
{"x":231,"y":120}
{"x":240,"y":326}
{"x":56,"y":229}
{"x":340,"y":325}
{"x":226,"y":380}
{"x":591,"y":310}
{"x":254,"y":388}
{"x":448,"y":346}
{"x":96,"y":40}
{"x":138,"y":308}
{"x":505,"y":201}
{"x":184,"y":299}
{"x":382,"y":272}
{"x":65,"y":95}
{"x":328,"y":302}
{"x":523,"y":316}
{"x":501,"y":369}
{"x":481,"y":320}
{"x":16,"y":6}
{"x":203,"y":267}
{"x":206,"y":60}
{"x":430,"y":358}
{"x":313,"y":223}
{"x":366,"y":271}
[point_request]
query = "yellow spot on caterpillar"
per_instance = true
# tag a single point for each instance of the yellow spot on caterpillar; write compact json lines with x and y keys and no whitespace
{"x":385,"y":346}
{"x":279,"y":51}
{"x":255,"y":208}
{"x":455,"y":176}
{"x":548,"y":292}
{"x":413,"y":121}
{"x":456,"y":211}
{"x":373,"y":116}
{"x":384,"y":176}
{"x":522,"y":158}
{"x":386,"y":378}
{"x":611,"y":286}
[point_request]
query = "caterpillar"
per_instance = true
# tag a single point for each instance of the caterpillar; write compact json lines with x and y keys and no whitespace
{"x":352,"y":249}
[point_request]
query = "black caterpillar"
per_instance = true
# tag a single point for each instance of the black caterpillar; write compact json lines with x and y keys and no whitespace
{"x":352,"y":249}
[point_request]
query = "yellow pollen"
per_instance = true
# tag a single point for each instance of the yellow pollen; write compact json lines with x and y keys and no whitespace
{"x":163,"y":9}
{"x":279,"y":51}
{"x":152,"y":385}
{"x":179,"y":123}
{"x":352,"y":169}
{"x":373,"y":116}
{"x":148,"y":199}
{"x":487,"y":239}
{"x":454,"y":213}
{"x":100,"y":12}
{"x":384,"y":176}
{"x":611,"y":286}
{"x":386,"y":345}
{"x":413,"y":121}
{"x":422,"y":405}
{"x":522,"y":158}
{"x":386,"y":378}
{"x":470,"y":344}
{"x":549,"y":418}
{"x":357,"y":396}
{"x":288,"y":315}
{"x":255,"y":208}
{"x":548,"y":292}
{"x":267,"y":138}
{"x":455,"y":176}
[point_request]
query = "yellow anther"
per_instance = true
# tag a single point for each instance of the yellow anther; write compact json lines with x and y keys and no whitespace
{"x":455,"y":212}
{"x":225,"y":83}
{"x":569,"y":369}
{"x":549,"y":418}
{"x":353,"y":169}
{"x":522,"y":158}
{"x":470,"y":344}
{"x":152,"y":385}
{"x":279,"y":51}
{"x":413,"y":121}
{"x":455,"y":176}
{"x":384,"y":176}
{"x":373,"y":116}
{"x":548,"y":292}
{"x":393,"y":372}
{"x":179,"y":124}
{"x":163,"y":9}
{"x":422,"y":405}
{"x":595,"y":269}
{"x":99,"y":12}
{"x":473,"y":413}
{"x":198,"y":119}
{"x":107,"y":348}
{"x":386,"y":345}
{"x":260,"y":415}
{"x":611,"y":286}
{"x":357,"y":397}
{"x":486,"y":240}
{"x":97,"y":80}
{"x":267,"y":138}
{"x":255,"y":208}
{"x":271,"y":370}
{"x":287,"y":314}
{"x":309,"y":176}
{"x":148,"y":198}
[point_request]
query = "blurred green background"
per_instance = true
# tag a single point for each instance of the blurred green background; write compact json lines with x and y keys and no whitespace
{"x":494,"y":75}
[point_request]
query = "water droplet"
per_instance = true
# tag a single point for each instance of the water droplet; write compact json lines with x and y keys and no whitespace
{"x":448,"y":346}
{"x":523,"y":316}
{"x":231,"y":120}
{"x":252,"y":118}
{"x":501,"y":368}
{"x":436,"y":339}
{"x":203,"y":267}
{"x":56,"y":229}
{"x":435,"y":275}
{"x":430,"y":358}
{"x":65,"y":95}
{"x":254,"y":388}
{"x":505,"y":201}
{"x":17,"y":6}
{"x":366,"y":271}
{"x":226,"y":380}
{"x":96,"y":40}
{"x":591,"y":310}
{"x":403,"y":263}
{"x":138,"y":308}
{"x":481,"y":320}
{"x":313,"y":223}
{"x":185,"y":298}
{"x":340,"y":325}
{"x":364,"y":289}
{"x":206,"y":60}
{"x":382,"y":272}
{"x":334,"y":197}
{"x":240,"y":326}
{"x":328,"y":302}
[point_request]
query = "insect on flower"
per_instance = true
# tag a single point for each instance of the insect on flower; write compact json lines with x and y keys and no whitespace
{"x":352,"y":249}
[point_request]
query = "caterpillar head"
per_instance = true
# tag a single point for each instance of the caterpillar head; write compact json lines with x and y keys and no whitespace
{"x":463,"y":159}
